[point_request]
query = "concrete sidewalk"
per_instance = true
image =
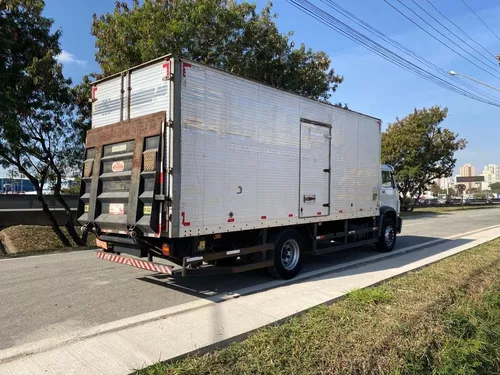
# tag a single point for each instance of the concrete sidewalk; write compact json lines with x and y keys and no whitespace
{"x":122,"y":346}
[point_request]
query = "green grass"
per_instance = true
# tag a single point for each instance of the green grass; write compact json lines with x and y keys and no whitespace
{"x":443,"y":319}
{"x":30,"y":239}
{"x":446,"y":209}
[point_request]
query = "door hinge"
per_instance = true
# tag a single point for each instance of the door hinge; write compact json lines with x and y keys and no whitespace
{"x":326,"y":205}
{"x":326,"y":170}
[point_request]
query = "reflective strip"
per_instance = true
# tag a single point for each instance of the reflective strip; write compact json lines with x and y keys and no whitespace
{"x":149,"y":266}
{"x":231,"y":252}
{"x":193,"y":259}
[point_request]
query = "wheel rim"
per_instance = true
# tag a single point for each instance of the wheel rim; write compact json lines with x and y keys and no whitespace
{"x":290,"y":253}
{"x":389,"y":235}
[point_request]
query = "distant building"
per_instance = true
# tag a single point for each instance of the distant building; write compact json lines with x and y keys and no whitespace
{"x":15,"y":186}
{"x":444,"y":182}
{"x":468,"y":170}
{"x":491,"y":174}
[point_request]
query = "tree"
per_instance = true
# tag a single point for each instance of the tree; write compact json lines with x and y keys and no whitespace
{"x":420,"y":151}
{"x":495,"y":187}
{"x":73,"y":187}
{"x":435,"y":189}
{"x":36,"y":135}
{"x":227,"y":34}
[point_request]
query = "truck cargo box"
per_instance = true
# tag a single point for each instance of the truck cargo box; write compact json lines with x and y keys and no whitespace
{"x":180,"y":149}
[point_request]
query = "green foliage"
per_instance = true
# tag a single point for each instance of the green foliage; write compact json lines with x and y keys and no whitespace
{"x":226,"y":34}
{"x":495,"y":187}
{"x":420,"y":150}
{"x":435,"y":189}
{"x":73,"y":188}
{"x":35,"y":133}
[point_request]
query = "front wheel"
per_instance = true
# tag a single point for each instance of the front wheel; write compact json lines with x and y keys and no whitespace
{"x":287,"y":255}
{"x":387,"y":240}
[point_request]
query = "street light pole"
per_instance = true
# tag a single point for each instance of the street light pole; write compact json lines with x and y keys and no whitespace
{"x":453,"y":73}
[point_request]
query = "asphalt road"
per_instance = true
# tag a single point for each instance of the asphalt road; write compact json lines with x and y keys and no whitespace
{"x":49,"y":295}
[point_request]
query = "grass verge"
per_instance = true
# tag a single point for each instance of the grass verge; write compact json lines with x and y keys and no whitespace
{"x":442,"y":319}
{"x":29,"y":239}
{"x":442,"y":210}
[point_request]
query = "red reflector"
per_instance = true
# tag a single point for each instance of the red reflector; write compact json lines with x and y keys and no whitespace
{"x":341,"y":211}
{"x":231,"y":220}
{"x":263,"y":217}
{"x":290,"y":215}
{"x":318,"y":213}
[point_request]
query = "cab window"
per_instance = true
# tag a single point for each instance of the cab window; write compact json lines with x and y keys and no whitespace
{"x":387,"y":181}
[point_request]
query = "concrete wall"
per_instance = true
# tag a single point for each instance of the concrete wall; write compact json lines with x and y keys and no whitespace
{"x":26,"y":210}
{"x":18,"y":201}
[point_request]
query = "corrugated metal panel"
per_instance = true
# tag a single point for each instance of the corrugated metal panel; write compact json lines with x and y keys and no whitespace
{"x":107,"y":102}
{"x":240,"y":154}
{"x":344,"y":162}
{"x":150,"y":92}
{"x":368,"y":164}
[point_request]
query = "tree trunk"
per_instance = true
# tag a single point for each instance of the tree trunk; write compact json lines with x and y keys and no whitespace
{"x":70,"y":226}
{"x":53,"y":221}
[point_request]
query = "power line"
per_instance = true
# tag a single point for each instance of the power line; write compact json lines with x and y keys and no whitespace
{"x":334,"y":23}
{"x":480,"y":19}
{"x":336,"y":7}
{"x":439,"y":40}
{"x":459,"y":28}
{"x":456,"y":36}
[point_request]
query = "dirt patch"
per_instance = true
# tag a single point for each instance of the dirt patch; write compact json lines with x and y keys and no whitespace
{"x":25,"y":239}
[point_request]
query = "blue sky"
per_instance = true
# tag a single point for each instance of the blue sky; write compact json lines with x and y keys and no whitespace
{"x":372,"y":85}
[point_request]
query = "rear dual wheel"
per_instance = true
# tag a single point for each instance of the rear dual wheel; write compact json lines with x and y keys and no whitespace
{"x":287,"y":255}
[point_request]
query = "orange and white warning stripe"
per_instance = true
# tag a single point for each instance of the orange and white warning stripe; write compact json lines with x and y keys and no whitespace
{"x":149,"y":266}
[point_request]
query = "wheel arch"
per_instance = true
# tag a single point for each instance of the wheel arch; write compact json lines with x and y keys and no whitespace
{"x":386,"y":211}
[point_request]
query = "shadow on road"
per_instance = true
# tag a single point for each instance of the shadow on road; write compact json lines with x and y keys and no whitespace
{"x":217,"y":287}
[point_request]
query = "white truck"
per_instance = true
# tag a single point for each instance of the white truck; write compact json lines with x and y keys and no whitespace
{"x":220,"y":174}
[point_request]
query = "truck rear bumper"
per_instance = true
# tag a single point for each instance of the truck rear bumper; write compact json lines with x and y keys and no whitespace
{"x":148,"y":266}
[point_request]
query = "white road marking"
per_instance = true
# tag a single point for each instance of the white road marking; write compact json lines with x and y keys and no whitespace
{"x":412,"y":224}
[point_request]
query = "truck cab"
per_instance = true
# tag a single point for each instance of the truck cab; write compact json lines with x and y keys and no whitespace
{"x":389,"y":196}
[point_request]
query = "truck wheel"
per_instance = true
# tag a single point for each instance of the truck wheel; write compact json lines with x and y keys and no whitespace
{"x":287,"y":255}
{"x":387,"y":239}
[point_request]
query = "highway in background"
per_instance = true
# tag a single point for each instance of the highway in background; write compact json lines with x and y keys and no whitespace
{"x":50,"y":295}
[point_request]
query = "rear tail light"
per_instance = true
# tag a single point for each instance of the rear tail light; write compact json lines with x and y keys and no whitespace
{"x":165,"y":249}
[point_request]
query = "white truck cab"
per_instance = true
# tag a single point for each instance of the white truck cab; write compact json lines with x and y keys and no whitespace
{"x":389,"y":194}
{"x":389,"y":207}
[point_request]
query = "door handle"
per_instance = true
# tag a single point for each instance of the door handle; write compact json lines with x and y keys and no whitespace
{"x":309,"y":198}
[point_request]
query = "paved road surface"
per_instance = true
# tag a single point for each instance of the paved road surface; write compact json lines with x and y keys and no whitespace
{"x":45,"y":296}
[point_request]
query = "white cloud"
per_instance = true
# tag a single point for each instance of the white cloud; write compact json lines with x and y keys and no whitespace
{"x":69,"y":58}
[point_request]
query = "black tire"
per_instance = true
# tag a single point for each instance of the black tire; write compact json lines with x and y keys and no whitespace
{"x":287,"y":255}
{"x":388,"y":230}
